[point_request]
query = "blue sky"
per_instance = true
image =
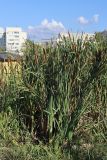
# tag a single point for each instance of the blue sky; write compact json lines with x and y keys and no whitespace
{"x":50,"y":16}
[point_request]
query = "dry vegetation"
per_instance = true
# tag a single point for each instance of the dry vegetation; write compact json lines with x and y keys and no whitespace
{"x":58,"y":108}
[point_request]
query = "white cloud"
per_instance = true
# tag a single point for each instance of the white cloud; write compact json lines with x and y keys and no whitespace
{"x":46,"y":29}
{"x":83,"y":20}
{"x":30,"y":27}
{"x":96,"y":18}
{"x":51,"y":25}
{"x":44,"y":22}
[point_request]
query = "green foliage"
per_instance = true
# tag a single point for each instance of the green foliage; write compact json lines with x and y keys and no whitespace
{"x":2,"y":50}
{"x":61,"y":98}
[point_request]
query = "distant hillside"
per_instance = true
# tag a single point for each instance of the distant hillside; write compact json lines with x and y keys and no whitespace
{"x":104,"y":33}
{"x":100,"y":35}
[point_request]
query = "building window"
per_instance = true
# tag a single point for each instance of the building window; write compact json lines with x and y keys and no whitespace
{"x":16,"y":32}
{"x":10,"y":39}
{"x":10,"y":43}
{"x":16,"y":36}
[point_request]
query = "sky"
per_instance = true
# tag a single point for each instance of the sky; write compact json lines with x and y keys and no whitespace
{"x":45,"y":18}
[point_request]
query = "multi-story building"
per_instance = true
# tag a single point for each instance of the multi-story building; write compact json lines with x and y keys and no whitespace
{"x":12,"y":39}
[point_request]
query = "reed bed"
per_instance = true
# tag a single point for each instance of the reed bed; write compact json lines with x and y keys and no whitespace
{"x":61,"y":98}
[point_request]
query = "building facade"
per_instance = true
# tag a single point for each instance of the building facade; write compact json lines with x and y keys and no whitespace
{"x":12,"y":39}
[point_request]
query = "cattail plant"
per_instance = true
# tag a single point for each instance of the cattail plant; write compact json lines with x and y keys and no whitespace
{"x":60,"y":86}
